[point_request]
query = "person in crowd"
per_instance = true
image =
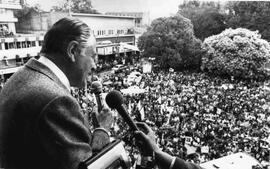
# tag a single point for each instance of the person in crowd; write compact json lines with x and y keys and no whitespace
{"x":41,"y":124}
{"x":147,"y":145}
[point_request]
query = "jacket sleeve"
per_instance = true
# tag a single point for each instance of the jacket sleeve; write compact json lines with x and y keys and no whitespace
{"x":181,"y":164}
{"x":63,"y":132}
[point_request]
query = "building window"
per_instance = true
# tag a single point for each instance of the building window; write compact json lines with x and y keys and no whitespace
{"x":95,"y":32}
{"x":40,"y":42}
{"x":101,"y":32}
{"x":19,"y":61}
{"x":110,"y":32}
{"x":11,"y":45}
{"x":18,"y":45}
{"x":4,"y":30}
{"x":24,"y":44}
{"x":33,"y":43}
{"x":28,"y":44}
{"x":5,"y":61}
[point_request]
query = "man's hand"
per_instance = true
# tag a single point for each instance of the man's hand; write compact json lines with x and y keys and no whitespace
{"x":145,"y":139}
{"x":105,"y":118}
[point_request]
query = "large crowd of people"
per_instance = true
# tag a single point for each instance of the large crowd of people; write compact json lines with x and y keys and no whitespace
{"x":197,"y":117}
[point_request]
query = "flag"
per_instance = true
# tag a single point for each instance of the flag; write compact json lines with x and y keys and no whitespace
{"x":190,"y":149}
{"x":141,"y":110}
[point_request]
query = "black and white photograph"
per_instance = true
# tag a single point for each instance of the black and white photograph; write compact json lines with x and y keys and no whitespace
{"x":134,"y":84}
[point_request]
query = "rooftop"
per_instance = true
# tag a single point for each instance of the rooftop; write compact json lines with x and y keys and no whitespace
{"x":102,"y":15}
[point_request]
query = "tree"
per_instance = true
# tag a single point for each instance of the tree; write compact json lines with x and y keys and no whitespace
{"x":172,"y":42}
{"x":237,"y":52}
{"x":76,"y":6}
{"x":26,"y":9}
{"x":206,"y":17}
{"x":253,"y":15}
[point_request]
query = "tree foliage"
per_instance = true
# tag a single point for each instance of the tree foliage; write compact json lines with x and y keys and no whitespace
{"x":237,"y":52}
{"x":206,"y":17}
{"x":76,"y":6}
{"x":253,"y":15}
{"x":26,"y":8}
{"x":172,"y":42}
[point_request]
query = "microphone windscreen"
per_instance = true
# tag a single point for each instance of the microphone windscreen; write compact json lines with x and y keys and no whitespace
{"x":114,"y":99}
{"x":96,"y":87}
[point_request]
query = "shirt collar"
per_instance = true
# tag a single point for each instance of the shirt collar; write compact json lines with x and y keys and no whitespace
{"x":58,"y":72}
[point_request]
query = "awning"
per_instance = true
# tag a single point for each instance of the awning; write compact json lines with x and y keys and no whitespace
{"x":127,"y":46}
{"x":9,"y":70}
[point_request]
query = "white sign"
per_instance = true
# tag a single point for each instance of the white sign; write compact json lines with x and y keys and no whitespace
{"x":147,"y":68}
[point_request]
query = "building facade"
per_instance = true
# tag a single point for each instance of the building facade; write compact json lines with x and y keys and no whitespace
{"x":7,"y":19}
{"x":115,"y":36}
{"x":142,"y":19}
{"x":108,"y":30}
{"x":15,"y":49}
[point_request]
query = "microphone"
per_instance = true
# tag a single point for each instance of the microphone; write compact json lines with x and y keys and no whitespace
{"x":115,"y":100}
{"x":96,"y":87}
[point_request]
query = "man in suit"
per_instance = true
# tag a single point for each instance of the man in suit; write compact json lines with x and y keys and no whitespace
{"x":41,"y":124}
{"x":145,"y":139}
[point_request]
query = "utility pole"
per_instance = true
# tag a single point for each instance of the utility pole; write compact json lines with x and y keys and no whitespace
{"x":69,"y":8}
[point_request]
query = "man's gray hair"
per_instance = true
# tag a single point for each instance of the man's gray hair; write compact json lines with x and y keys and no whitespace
{"x":62,"y":32}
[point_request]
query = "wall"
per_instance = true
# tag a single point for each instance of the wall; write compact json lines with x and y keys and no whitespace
{"x":107,"y":23}
{"x":33,"y":22}
{"x":41,"y":22}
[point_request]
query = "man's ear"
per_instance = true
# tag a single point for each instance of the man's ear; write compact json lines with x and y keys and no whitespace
{"x":72,"y":49}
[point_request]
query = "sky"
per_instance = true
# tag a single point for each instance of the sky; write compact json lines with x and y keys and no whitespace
{"x":156,"y":8}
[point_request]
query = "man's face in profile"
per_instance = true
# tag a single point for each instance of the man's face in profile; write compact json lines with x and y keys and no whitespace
{"x":86,"y":61}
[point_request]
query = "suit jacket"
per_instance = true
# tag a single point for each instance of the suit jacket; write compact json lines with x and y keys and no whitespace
{"x":41,"y":124}
{"x":179,"y":163}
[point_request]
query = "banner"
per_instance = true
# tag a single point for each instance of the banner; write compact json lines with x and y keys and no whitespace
{"x":147,"y":67}
{"x":205,"y":149}
{"x":190,"y":149}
